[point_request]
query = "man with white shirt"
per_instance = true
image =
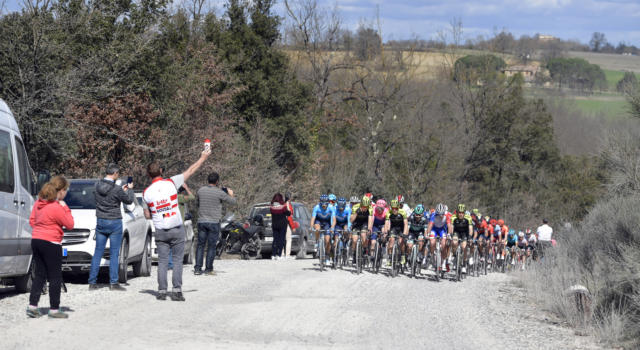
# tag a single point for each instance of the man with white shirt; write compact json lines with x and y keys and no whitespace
{"x":161,"y":199}
{"x":544,"y":233}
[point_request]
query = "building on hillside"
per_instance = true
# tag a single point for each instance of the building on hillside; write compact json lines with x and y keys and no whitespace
{"x":546,"y":37}
{"x":528,"y":72}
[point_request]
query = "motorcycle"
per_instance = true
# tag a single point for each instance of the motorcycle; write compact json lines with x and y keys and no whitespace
{"x":243,"y":239}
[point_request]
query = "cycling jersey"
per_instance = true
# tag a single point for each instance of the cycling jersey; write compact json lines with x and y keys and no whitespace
{"x":461,"y":228}
{"x":397,"y":220}
{"x":511,"y":239}
{"x":439,"y":225}
{"x":417,"y":225}
{"x":522,"y":242}
{"x":343,"y":217}
{"x":362,"y":217}
{"x":323,"y":217}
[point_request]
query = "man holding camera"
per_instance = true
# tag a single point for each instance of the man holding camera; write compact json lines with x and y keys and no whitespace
{"x":109,"y":196}
{"x":161,"y":198}
{"x":210,"y":199}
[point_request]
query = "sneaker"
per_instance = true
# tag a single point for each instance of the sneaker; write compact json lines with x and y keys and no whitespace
{"x":33,"y":312}
{"x":403,"y":260}
{"x":177,"y":296}
{"x":197,"y":272}
{"x":161,"y":296}
{"x":470,"y":261}
{"x":210,"y":273}
{"x":522,"y":268}
{"x":117,"y":287}
{"x":93,"y":286}
{"x":388,"y":262}
{"x":444,"y":265}
{"x":57,"y":314}
{"x":464,"y":270}
{"x":273,"y":257}
{"x":327,"y":262}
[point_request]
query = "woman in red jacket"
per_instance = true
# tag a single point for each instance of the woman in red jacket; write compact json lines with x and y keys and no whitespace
{"x":279,"y":224}
{"x":49,"y":215}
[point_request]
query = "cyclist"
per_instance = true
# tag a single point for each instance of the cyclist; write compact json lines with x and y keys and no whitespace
{"x":462,"y":230}
{"x":376,"y":222}
{"x":353,"y":201}
{"x":332,"y":200}
{"x":522,"y":245}
{"x":323,"y":218}
{"x":479,"y":235}
{"x":404,"y":205}
{"x":504,"y":230}
{"x":512,"y":240}
{"x":438,"y":228}
{"x":341,"y":220}
{"x":360,"y":214}
{"x":417,"y":226}
{"x":532,"y":240}
{"x":396,"y":224}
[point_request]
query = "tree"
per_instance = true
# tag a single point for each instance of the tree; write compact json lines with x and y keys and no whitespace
{"x":628,"y":83}
{"x":477,"y":68}
{"x":368,"y":43}
{"x":598,"y":41}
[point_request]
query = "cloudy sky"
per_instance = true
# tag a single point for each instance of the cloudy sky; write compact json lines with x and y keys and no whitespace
{"x":405,"y":19}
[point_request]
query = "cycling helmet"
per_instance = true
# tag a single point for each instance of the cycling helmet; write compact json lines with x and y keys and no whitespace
{"x":441,"y":209}
{"x":400,"y":199}
{"x":368,"y":195}
{"x":354,"y":199}
{"x":500,"y":222}
{"x":493,"y":222}
{"x":381,"y":203}
{"x":461,"y":208}
{"x":342,"y":203}
{"x":528,"y":231}
{"x":466,"y":213}
{"x":419,"y":210}
{"x":512,"y":232}
{"x":332,"y":197}
{"x":324,"y":198}
{"x":521,"y":234}
{"x":365,"y":202}
{"x":394,"y":204}
{"x":446,"y":208}
{"x":475,"y":211}
{"x":487,"y":218}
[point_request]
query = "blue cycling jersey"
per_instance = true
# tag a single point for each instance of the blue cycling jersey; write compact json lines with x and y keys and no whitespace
{"x":512,"y":238}
{"x":343,"y":217}
{"x":323,"y":215}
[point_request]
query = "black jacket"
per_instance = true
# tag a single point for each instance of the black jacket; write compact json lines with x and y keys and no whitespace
{"x":108,"y":198}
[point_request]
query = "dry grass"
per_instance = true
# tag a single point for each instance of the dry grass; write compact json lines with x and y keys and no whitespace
{"x":610,"y":61}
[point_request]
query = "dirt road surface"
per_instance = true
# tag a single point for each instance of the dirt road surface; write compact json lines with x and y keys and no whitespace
{"x":290,"y":304}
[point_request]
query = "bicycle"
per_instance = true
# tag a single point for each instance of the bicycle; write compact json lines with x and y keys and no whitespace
{"x":345,"y":248}
{"x":321,"y":249}
{"x":476,"y":260}
{"x":395,"y":256}
{"x":377,"y":256}
{"x":414,"y":264}
{"x":337,"y":247}
{"x":458,"y":262}
{"x":359,"y":252}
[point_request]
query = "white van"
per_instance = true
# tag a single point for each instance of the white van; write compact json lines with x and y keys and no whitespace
{"x":16,"y":200}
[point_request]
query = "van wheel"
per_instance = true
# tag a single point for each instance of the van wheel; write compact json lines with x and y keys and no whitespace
{"x":122,"y":261}
{"x":143,"y":267}
{"x":23,"y":283}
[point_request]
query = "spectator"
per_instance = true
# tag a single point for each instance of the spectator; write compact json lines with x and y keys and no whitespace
{"x":210,"y":199}
{"x":49,"y":215}
{"x":183,"y":200}
{"x":292,"y":225}
{"x":109,"y":197}
{"x":161,"y":198}
{"x":544,"y":233}
{"x":279,"y":224}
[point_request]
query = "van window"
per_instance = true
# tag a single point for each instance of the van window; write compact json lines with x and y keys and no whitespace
{"x":81,"y":195}
{"x":6,"y":163}
{"x":23,"y":162}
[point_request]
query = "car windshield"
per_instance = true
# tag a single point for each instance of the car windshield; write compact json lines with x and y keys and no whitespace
{"x":264,"y":211}
{"x":81,"y":195}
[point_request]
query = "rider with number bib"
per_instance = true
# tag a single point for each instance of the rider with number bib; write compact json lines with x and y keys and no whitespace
{"x":512,"y":240}
{"x":376,"y":222}
{"x":522,"y":245}
{"x":439,"y":228}
{"x":462,"y":231}
{"x":417,"y":226}
{"x":323,"y":218}
{"x":360,"y":214}
{"x":396,"y":224}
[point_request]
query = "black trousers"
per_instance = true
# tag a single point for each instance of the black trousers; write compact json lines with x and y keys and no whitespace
{"x":279,"y":238}
{"x":47,"y":260}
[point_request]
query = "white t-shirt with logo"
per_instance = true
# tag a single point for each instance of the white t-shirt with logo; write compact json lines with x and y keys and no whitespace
{"x":161,"y":198}
{"x":544,"y":232}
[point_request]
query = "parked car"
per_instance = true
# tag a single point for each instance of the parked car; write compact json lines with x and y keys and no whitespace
{"x":17,"y":189}
{"x":79,"y":244}
{"x":302,"y":242}
{"x":190,"y":244}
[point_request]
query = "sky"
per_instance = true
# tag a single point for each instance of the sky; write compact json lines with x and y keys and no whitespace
{"x":619,"y":20}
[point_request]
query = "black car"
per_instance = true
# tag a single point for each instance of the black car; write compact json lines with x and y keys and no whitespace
{"x":301,"y":240}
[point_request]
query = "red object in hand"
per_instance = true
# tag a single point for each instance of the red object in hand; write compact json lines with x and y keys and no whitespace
{"x":207,"y":144}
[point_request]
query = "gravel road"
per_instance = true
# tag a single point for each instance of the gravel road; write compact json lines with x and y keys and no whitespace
{"x":290,"y":304}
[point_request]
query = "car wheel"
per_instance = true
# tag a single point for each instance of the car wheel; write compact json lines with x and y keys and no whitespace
{"x":143,"y":267}
{"x":23,"y":283}
{"x":302,"y":249}
{"x":122,"y":261}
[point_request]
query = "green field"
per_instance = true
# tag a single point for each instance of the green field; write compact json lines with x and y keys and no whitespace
{"x":614,"y":76}
{"x":609,"y":109}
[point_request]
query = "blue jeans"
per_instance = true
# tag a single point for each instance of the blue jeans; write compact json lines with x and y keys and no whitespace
{"x":111,"y":230}
{"x":208,"y":232}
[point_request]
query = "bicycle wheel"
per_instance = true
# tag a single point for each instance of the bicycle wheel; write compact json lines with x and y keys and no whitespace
{"x":394,"y":263}
{"x":359,"y":256}
{"x":321,"y":252}
{"x":415,"y":269}
{"x":458,"y":258}
{"x":437,"y":261}
{"x":376,"y":255}
{"x":336,"y":253}
{"x":476,"y":262}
